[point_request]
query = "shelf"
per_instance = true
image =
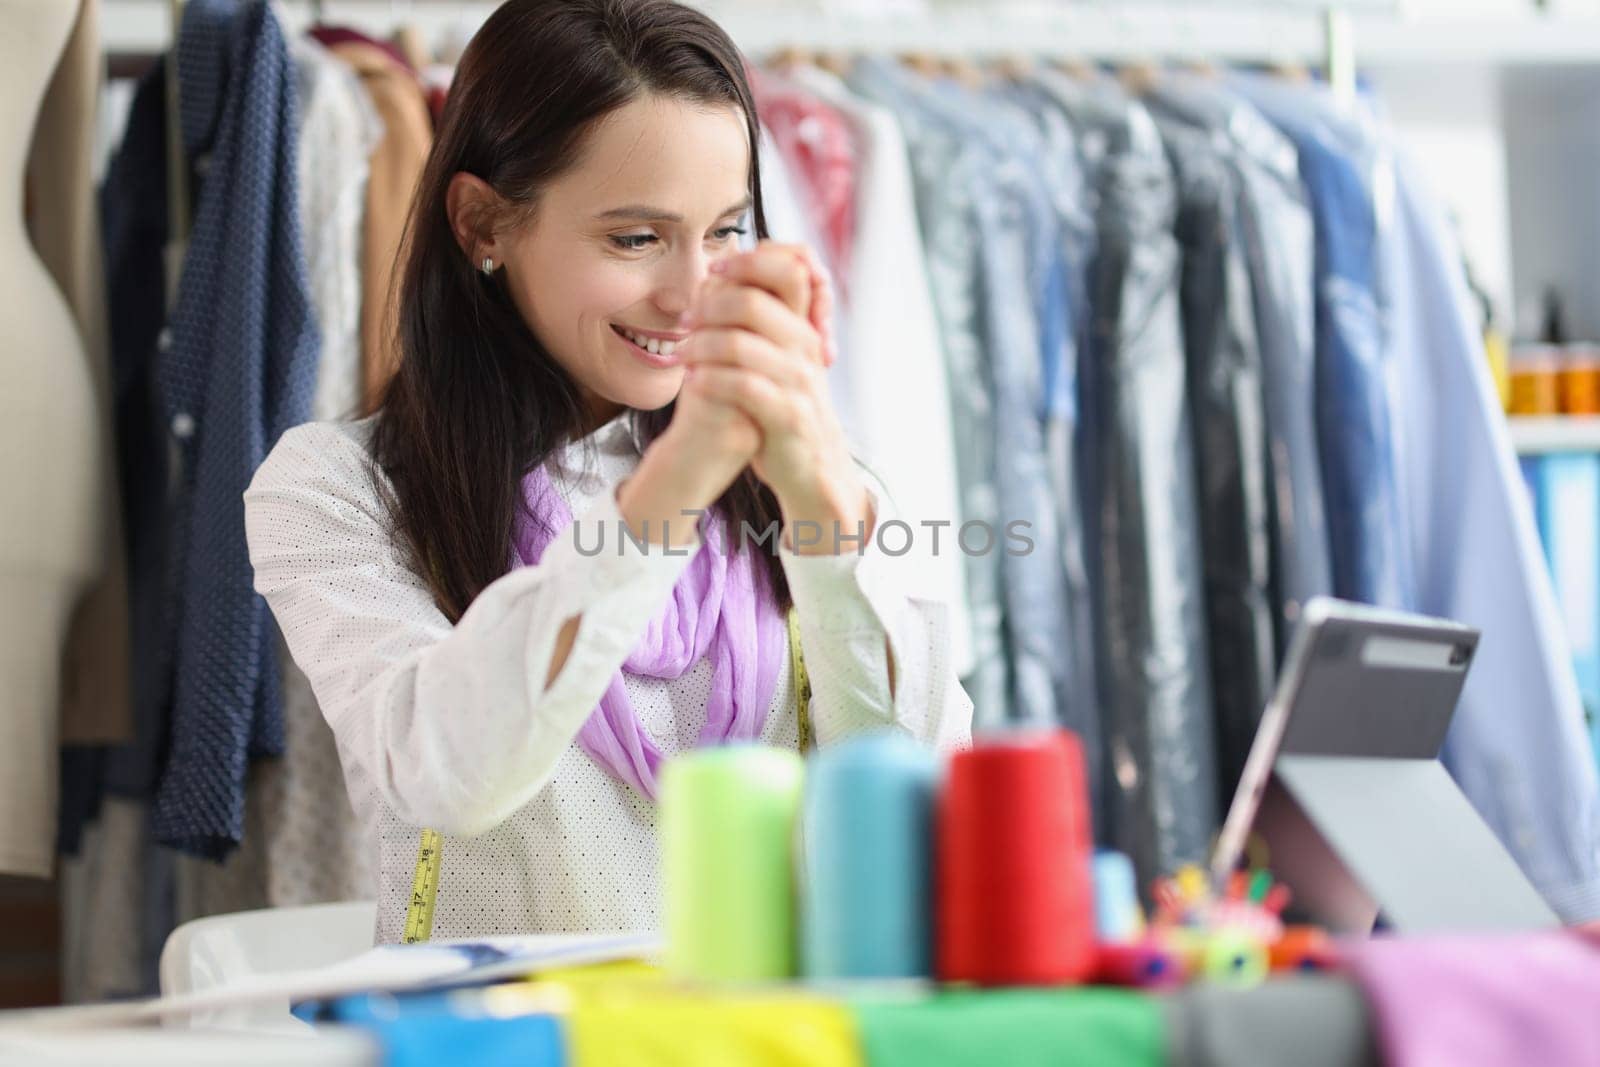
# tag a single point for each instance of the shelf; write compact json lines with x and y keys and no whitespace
{"x":1532,"y":435}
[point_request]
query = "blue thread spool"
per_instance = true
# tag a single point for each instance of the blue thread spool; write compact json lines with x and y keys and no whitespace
{"x":868,"y":825}
{"x":1116,"y":898}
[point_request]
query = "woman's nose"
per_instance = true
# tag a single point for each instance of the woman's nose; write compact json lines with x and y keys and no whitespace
{"x":681,"y":280}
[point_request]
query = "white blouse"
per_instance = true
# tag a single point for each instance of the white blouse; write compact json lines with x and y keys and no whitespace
{"x":454,"y":728}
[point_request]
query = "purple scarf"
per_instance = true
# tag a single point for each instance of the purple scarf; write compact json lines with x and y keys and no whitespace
{"x":719,"y":608}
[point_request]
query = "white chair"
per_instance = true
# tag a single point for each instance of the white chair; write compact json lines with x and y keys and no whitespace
{"x":222,"y":949}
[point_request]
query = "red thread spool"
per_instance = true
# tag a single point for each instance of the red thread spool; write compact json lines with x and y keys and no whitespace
{"x":1016,"y":900}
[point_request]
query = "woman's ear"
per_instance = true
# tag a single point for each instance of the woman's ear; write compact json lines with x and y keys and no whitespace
{"x":472,"y":207}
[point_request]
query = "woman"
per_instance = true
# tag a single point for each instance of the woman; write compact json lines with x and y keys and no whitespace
{"x":581,"y":336}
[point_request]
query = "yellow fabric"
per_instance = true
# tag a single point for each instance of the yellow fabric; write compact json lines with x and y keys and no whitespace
{"x":669,"y":1028}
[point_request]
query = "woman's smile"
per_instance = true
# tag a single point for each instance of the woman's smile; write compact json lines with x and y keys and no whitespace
{"x":655,"y":347}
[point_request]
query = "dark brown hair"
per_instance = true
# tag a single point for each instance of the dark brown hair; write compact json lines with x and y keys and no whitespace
{"x":477,"y":402}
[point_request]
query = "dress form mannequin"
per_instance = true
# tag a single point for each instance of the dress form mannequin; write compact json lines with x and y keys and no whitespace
{"x":52,"y":455}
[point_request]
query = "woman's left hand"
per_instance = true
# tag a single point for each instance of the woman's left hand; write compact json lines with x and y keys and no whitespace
{"x":759,"y":340}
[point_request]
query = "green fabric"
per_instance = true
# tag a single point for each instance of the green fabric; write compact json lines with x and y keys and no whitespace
{"x":1019,"y":1028}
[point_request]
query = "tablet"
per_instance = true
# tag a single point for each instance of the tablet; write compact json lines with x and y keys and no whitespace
{"x":1343,"y":796}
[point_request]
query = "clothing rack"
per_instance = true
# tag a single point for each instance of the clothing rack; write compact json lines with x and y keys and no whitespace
{"x":1139,"y":31}
{"x":1309,"y":32}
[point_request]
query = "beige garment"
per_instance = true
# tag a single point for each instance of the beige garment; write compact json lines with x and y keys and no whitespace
{"x":413,"y":44}
{"x":64,"y":225}
{"x":397,"y":165}
{"x":103,"y":905}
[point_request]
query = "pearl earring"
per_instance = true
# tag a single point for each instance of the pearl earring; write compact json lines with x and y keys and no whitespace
{"x":488,"y":265}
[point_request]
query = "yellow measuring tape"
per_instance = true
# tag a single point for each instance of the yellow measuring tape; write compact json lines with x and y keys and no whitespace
{"x":424,"y":888}
{"x":425,"y":882}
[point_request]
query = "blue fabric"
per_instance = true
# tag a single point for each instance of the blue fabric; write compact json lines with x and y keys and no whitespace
{"x":239,"y":370}
{"x":133,"y":213}
{"x":1366,"y":537}
{"x":429,"y":1040}
{"x":1517,"y":745}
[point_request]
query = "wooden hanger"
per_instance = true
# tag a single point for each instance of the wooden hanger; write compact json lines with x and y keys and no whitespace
{"x":924,"y":63}
{"x":1075,"y":67}
{"x":835,"y":62}
{"x":1139,"y":77}
{"x":965,"y":71}
{"x":790,"y":57}
{"x":1289,"y":72}
{"x":1014,"y":67}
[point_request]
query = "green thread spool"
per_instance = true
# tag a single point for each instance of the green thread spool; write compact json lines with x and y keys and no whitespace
{"x":727,"y":843}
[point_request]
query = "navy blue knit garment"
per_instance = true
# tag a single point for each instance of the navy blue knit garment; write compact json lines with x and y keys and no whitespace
{"x":237,"y":369}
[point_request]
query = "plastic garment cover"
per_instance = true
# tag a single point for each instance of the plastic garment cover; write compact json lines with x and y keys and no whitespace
{"x":1231,"y":463}
{"x":951,"y":178}
{"x":1143,"y":528}
{"x":1342,"y":173}
{"x":1073,"y":200}
{"x":1274,"y":222}
{"x":1023,"y":294}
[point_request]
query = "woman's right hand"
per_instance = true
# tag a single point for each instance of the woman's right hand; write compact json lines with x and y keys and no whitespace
{"x":688,"y":467}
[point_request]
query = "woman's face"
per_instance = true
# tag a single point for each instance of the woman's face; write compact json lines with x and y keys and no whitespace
{"x":618,"y":245}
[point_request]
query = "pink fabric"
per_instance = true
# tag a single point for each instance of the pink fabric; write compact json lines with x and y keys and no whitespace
{"x":818,"y":144}
{"x":722,"y":607}
{"x":1490,"y":1000}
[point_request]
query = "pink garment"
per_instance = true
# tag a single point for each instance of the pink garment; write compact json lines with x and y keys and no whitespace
{"x":818,"y":144}
{"x":1484,"y":999}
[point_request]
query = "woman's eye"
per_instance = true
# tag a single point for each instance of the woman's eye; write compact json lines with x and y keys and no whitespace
{"x":633,"y":242}
{"x":729,"y":232}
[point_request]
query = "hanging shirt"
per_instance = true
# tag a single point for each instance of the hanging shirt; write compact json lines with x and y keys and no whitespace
{"x":1145,"y":565}
{"x":1020,"y":285}
{"x":1517,"y":744}
{"x":952,"y":182}
{"x":790,"y":222}
{"x":454,"y":728}
{"x":236,"y":371}
{"x":1230,"y":455}
{"x":1280,"y":250}
{"x":1365,"y":513}
{"x":816,"y":141}
{"x":891,"y":316}
{"x":1074,"y":200}
{"x":1043,"y":604}
{"x":302,"y":842}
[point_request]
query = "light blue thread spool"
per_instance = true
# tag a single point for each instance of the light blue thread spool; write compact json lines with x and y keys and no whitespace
{"x":1116,"y":897}
{"x":868,"y":882}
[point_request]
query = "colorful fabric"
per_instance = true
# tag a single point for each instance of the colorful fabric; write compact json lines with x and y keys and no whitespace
{"x":1485,"y":1000}
{"x":682,"y":1030}
{"x":1019,"y":1028}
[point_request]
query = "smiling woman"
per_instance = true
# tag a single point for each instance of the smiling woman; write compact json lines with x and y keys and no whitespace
{"x":603,"y":263}
{"x":581,"y":341}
